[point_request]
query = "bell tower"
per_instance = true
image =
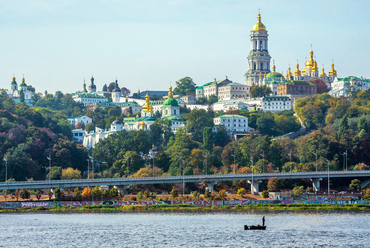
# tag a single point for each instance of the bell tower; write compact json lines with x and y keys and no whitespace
{"x":258,"y":58}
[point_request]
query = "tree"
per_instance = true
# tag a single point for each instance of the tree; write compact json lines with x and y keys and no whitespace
{"x":207,"y":193}
{"x":139,"y":196}
{"x":355,"y":185}
{"x":241,"y":191}
{"x":321,"y":86}
{"x":197,"y":121}
{"x":86,"y":193}
{"x":76,"y":194}
{"x":366,"y":195}
{"x":16,"y":194}
{"x":212,"y":99}
{"x":5,"y":194}
{"x":38,"y":195}
{"x":111,"y":86}
{"x":96,"y":193}
{"x":55,"y":172}
{"x":114,"y":193}
{"x":185,"y":86}
{"x":266,"y":123}
{"x":105,"y":194}
{"x":174,"y":192}
{"x":21,"y":96}
{"x":222,"y":194}
{"x":70,"y":173}
{"x":208,"y":139}
{"x":24,"y":194}
{"x":195,"y":194}
{"x":265,"y":194}
{"x":57,"y":193}
{"x":50,"y":194}
{"x":297,"y":191}
{"x":260,"y":91}
{"x":105,"y":88}
{"x":272,"y":184}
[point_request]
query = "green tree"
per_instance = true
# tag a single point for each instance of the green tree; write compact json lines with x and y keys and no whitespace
{"x":57,"y":193}
{"x":185,"y":86}
{"x":221,"y":137}
{"x":207,"y":193}
{"x":21,"y":96}
{"x":139,"y":196}
{"x":105,"y":88}
{"x":76,"y":194}
{"x":266,"y":123}
{"x":355,"y":185}
{"x":114,"y":193}
{"x":105,"y":194}
{"x":212,"y":99}
{"x":208,"y":139}
{"x":195,"y":194}
{"x":297,"y":191}
{"x":174,"y":192}
{"x":241,"y":192}
{"x":24,"y":194}
{"x":54,"y":173}
{"x":260,"y":91}
{"x":197,"y":121}
{"x":96,"y":193}
{"x":70,"y":173}
{"x":265,"y":194}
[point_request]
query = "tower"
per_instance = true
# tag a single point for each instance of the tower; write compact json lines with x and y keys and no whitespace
{"x":258,"y":58}
{"x":170,"y":107}
{"x":92,"y":86}
{"x":332,"y":73}
{"x":84,"y":87}
{"x":147,"y":109}
{"x":116,"y":93}
{"x":297,"y":73}
{"x":14,"y":85}
{"x":23,"y":85}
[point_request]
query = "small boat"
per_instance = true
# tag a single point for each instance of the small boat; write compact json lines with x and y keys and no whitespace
{"x":258,"y":227}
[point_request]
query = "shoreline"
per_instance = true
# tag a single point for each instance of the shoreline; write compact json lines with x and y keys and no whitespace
{"x":182,"y":207}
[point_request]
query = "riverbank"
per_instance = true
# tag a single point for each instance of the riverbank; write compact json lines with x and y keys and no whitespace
{"x":182,"y":207}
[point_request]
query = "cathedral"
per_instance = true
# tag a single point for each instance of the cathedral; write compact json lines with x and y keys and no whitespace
{"x":259,"y":63}
{"x":16,"y":93}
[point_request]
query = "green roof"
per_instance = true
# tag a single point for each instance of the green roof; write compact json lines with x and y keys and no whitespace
{"x":294,"y":82}
{"x":274,"y":97}
{"x":230,"y":116}
{"x":351,"y":78}
{"x":129,"y":119}
{"x":90,"y":96}
{"x":13,"y":82}
{"x":172,"y":118}
{"x":274,"y":75}
{"x":200,"y":87}
{"x":170,"y":102}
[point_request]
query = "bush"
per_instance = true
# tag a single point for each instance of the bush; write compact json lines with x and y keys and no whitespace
{"x":265,"y":194}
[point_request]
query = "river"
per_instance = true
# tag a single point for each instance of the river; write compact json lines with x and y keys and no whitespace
{"x":186,"y":229}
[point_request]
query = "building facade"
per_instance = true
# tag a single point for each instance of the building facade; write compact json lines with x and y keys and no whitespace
{"x":343,"y":86}
{"x":296,"y":89}
{"x":276,"y":104}
{"x":223,"y":90}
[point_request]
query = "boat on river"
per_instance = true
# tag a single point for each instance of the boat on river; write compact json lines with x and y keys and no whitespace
{"x":258,"y":227}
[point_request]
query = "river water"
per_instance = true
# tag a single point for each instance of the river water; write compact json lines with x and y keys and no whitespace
{"x":186,"y":229}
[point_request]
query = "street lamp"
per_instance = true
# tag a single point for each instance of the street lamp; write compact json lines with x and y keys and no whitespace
{"x":6,"y":168}
{"x":263,"y":161}
{"x":234,"y":161}
{"x":49,"y":158}
{"x":315,"y":153}
{"x":328,"y":177}
{"x":206,"y":156}
{"x":88,"y":168}
{"x":290,"y":155}
{"x":92,"y":165}
{"x":346,"y":154}
{"x":252,"y":177}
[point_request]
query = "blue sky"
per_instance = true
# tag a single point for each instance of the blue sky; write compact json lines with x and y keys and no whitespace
{"x":148,"y":44}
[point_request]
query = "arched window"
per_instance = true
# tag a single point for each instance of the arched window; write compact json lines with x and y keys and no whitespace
{"x":254,"y":65}
{"x":174,"y":111}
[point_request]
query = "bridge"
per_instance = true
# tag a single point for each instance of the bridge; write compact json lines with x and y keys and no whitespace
{"x":253,"y":178}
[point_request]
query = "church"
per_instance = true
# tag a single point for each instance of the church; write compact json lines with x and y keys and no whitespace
{"x":23,"y":93}
{"x":259,"y":64}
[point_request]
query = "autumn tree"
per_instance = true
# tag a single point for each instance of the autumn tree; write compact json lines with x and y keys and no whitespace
{"x":50,"y":194}
{"x":174,"y":192}
{"x":5,"y":194}
{"x":70,"y":173}
{"x":222,"y":194}
{"x":355,"y":185}
{"x":76,"y":194}
{"x":114,"y":193}
{"x":297,"y":191}
{"x":16,"y":194}
{"x":86,"y":193}
{"x":207,"y":193}
{"x":272,"y":184}
{"x":38,"y":195}
{"x":241,"y":192}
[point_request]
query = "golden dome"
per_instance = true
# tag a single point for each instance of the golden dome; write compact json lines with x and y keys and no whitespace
{"x":142,"y":123}
{"x":314,"y":66}
{"x":297,"y":71}
{"x":332,"y":71}
{"x":323,"y":73}
{"x":289,"y":73}
{"x":259,"y":25}
{"x":137,"y":115}
{"x":170,"y":94}
{"x":273,"y":66}
{"x":304,"y":71}
{"x":147,"y":105}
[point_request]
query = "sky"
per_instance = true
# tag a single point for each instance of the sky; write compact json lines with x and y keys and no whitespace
{"x":148,"y":44}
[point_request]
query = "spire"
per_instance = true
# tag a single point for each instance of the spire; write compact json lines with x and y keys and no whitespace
{"x":259,"y":25}
{"x":170,"y":94}
{"x":297,"y":71}
{"x":323,"y":73}
{"x":84,"y":87}
{"x":332,"y":72}
{"x":289,"y":73}
{"x":23,"y":80}
{"x":273,"y":66}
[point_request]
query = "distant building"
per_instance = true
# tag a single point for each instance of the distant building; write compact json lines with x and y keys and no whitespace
{"x":78,"y":135}
{"x":236,"y":125}
{"x":190,"y":99}
{"x":15,"y":92}
{"x":73,"y":120}
{"x":222,"y":89}
{"x":276,"y":104}
{"x":228,"y":105}
{"x":342,"y":86}
{"x":296,"y":89}
{"x":92,"y":138}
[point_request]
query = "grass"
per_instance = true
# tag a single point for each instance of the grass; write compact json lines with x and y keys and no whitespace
{"x":180,"y":207}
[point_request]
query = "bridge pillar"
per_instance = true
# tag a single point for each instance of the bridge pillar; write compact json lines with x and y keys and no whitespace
{"x":365,"y":183}
{"x":122,"y":188}
{"x":316,"y":184}
{"x":255,"y":186}
{"x":211,"y":185}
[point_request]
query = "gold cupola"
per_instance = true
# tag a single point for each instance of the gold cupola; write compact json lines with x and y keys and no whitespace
{"x":147,"y":103}
{"x":332,"y":71}
{"x":259,"y":25}
{"x":297,"y":71}
{"x":314,"y":66}
{"x":170,"y":93}
{"x":289,"y":73}
{"x":323,"y":72}
{"x":273,"y":66}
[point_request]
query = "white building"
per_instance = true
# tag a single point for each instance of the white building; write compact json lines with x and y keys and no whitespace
{"x":92,"y":138}
{"x":228,"y":105}
{"x":78,"y":135}
{"x":235,"y":124}
{"x":276,"y":104}
{"x":73,"y":120}
{"x":15,"y":92}
{"x":342,"y":86}
{"x":223,"y":89}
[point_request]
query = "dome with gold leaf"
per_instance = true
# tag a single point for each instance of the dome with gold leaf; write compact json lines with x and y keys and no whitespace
{"x":259,"y":25}
{"x":332,"y":71}
{"x":297,"y":71}
{"x":170,"y":102}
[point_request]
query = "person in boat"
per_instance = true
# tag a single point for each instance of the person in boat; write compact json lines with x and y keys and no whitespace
{"x":263,"y":221}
